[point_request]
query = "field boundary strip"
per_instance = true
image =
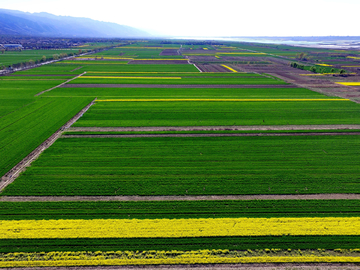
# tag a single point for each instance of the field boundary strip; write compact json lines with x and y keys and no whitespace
{"x":265,"y":197}
{"x":11,"y":176}
{"x":198,"y":68}
{"x":48,"y":90}
{"x":218,"y":128}
{"x":209,"y":135}
{"x":216,"y":100}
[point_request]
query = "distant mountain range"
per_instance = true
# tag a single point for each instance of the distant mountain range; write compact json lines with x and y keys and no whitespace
{"x":43,"y":24}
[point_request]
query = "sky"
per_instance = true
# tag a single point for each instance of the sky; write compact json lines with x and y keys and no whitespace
{"x":191,"y":18}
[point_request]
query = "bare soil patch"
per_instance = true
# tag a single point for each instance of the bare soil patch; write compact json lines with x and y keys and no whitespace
{"x":322,"y":84}
{"x":169,"y":52}
{"x":213,"y":68}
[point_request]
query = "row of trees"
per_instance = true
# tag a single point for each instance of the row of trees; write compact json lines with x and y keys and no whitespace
{"x":31,"y":63}
{"x":43,"y":59}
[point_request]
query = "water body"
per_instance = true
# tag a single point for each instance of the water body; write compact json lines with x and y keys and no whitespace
{"x":315,"y":42}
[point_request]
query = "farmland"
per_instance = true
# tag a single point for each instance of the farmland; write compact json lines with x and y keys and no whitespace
{"x":193,"y":166}
{"x":168,"y":141}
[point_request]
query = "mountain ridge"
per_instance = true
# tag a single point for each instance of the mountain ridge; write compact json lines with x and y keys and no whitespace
{"x":14,"y":22}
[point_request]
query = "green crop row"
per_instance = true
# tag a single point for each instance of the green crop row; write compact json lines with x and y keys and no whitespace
{"x":178,"y":209}
{"x":89,"y":79}
{"x":168,"y":244}
{"x":194,"y":166}
{"x":204,"y":93}
{"x":192,"y":113}
{"x":23,"y":130}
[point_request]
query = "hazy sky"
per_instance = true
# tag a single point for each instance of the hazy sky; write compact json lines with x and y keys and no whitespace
{"x":212,"y":18}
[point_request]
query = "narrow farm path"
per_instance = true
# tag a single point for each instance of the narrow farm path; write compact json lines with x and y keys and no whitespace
{"x":180,"y":198}
{"x":216,"y":128}
{"x":209,"y":135}
{"x":48,"y":90}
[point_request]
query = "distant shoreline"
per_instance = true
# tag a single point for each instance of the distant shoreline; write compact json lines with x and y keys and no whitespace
{"x":313,"y":42}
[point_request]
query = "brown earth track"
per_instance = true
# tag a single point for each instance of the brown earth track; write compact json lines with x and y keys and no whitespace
{"x":210,"y":135}
{"x":180,"y":198}
{"x":83,"y":85}
{"x":253,"y":266}
{"x":215,"y":128}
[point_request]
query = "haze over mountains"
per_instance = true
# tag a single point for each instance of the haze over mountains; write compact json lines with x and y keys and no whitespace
{"x":48,"y":25}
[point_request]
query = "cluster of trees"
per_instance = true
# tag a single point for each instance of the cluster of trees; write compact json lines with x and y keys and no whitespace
{"x":302,"y":56}
{"x":317,"y":69}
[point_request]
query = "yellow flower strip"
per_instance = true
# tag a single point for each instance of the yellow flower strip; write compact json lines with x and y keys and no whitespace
{"x":105,"y":77}
{"x":349,"y":83}
{"x":215,"y":100}
{"x":325,"y":65}
{"x":229,"y":68}
{"x":150,"y":228}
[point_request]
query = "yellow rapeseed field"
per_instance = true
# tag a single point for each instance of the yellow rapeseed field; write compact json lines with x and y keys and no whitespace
{"x":349,"y":83}
{"x":229,"y":68}
{"x":325,"y":65}
{"x":203,"y":227}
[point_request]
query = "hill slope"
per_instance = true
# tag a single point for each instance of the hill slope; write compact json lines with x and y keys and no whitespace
{"x":44,"y":24}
